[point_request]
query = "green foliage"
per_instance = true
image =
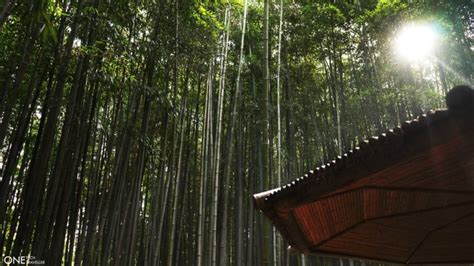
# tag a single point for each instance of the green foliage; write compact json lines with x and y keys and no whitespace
{"x":154,"y":67}
{"x":206,"y":19}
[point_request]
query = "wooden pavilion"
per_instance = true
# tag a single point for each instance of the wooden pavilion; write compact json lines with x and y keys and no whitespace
{"x":406,"y":196}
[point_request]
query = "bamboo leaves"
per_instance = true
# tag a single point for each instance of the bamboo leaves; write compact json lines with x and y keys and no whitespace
{"x":134,"y":132}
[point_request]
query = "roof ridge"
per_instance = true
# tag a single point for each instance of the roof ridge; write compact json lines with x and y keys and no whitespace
{"x":458,"y":103}
{"x":365,"y":145}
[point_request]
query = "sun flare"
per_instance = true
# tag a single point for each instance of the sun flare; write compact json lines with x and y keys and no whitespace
{"x":416,"y":42}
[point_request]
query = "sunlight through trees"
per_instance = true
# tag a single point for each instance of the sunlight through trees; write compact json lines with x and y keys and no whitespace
{"x":135,"y":132}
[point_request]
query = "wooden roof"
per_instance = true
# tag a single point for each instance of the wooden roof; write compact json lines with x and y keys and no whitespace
{"x":406,"y":196}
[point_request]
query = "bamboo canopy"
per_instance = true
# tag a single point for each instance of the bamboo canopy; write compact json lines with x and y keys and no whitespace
{"x":406,"y":196}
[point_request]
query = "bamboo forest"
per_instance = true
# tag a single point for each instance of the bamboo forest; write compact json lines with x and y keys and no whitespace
{"x":135,"y":132}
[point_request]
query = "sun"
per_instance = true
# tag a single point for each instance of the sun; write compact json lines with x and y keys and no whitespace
{"x":416,"y":42}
